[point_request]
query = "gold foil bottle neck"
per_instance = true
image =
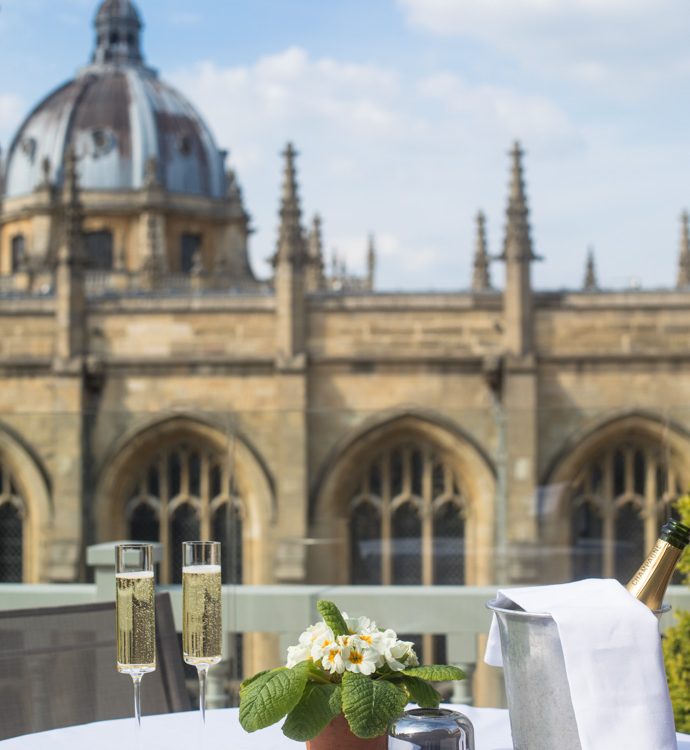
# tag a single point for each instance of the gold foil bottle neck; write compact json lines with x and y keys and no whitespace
{"x":650,"y":582}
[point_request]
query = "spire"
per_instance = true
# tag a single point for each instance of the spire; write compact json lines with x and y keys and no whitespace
{"x":315,"y":241}
{"x":71,"y":250}
{"x":315,"y":265}
{"x":118,"y":33}
{"x":371,"y":263}
{"x":590,"y":283}
{"x":684,"y":257}
{"x":518,"y":242}
{"x":518,"y":257}
{"x":290,"y":238}
{"x":481,"y":279}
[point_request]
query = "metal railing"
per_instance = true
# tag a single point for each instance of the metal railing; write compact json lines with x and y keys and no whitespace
{"x":457,"y":612}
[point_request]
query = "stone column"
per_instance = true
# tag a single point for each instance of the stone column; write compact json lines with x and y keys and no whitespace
{"x":521,"y":482}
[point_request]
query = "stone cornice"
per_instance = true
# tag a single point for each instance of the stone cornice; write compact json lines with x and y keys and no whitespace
{"x":155,"y":305}
{"x":648,"y":300}
{"x":126,"y":203}
{"x":400,"y":301}
{"x":201,"y":365}
{"x":34,"y":305}
{"x":613,"y":359}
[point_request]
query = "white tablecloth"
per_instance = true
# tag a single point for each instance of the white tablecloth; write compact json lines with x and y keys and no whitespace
{"x":223,"y":732}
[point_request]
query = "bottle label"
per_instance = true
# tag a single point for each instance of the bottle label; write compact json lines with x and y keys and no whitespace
{"x":657,"y":550}
{"x":651,"y":580}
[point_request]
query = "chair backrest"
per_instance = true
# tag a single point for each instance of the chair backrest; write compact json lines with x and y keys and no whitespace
{"x":57,"y":668}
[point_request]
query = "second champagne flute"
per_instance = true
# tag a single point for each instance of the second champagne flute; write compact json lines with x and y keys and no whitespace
{"x":201,"y":610}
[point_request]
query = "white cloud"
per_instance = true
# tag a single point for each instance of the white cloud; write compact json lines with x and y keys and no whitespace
{"x":500,"y":107}
{"x":350,"y":248}
{"x":622,"y":47}
{"x":390,"y":249}
{"x":378,"y":151}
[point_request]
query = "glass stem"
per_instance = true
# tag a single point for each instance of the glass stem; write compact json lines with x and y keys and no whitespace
{"x":136,"y":679}
{"x":203,"y":673}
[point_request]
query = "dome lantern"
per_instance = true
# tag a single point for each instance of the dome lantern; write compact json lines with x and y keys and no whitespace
{"x":118,"y":33}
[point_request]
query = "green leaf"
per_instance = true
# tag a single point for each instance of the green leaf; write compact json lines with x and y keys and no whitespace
{"x":268,"y":697}
{"x":332,"y":617}
{"x":369,"y":705}
{"x":435,"y":672}
{"x":318,"y":706}
{"x":336,"y":700}
{"x":421,"y":693}
{"x":255,"y":677}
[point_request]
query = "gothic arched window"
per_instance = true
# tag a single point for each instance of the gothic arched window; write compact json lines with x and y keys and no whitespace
{"x":365,"y":543}
{"x":619,"y":501}
{"x":190,"y":246}
{"x":18,"y":252}
{"x":406,"y":519}
{"x":187,"y":493}
{"x":12,"y":517}
{"x":99,"y":250}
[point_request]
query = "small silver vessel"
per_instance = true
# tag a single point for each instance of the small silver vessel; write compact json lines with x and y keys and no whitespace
{"x":431,"y":729}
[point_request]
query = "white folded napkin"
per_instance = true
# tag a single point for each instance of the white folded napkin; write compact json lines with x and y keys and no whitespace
{"x":612,"y":653}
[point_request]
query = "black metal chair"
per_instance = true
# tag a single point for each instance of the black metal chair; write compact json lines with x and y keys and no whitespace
{"x":57,"y":668}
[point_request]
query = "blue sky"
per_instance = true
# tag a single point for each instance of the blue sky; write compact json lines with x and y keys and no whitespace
{"x":403,"y":111}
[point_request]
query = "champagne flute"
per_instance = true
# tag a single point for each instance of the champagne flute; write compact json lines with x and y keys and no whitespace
{"x":201,"y":610}
{"x":136,"y":625}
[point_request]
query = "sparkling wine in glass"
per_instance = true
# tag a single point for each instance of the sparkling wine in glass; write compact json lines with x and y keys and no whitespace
{"x":134,"y":604}
{"x":201,"y":610}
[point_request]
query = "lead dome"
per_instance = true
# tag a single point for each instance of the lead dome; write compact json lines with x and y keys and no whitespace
{"x":123,"y":121}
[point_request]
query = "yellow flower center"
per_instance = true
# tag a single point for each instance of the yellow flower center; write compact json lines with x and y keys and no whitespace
{"x":356,"y":657}
{"x":365,"y":638}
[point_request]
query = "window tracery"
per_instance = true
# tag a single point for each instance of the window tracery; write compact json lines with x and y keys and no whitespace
{"x":620,"y":499}
{"x":12,"y":528}
{"x":407,"y":519}
{"x":185,"y":493}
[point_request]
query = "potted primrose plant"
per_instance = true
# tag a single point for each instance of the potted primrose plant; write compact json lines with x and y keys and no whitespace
{"x":343,"y":683}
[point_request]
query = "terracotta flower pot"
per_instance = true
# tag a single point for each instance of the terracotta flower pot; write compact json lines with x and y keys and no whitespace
{"x":338,"y":736}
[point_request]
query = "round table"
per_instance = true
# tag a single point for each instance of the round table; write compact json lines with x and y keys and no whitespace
{"x":182,"y":731}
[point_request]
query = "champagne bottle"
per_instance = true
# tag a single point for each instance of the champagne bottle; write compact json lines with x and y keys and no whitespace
{"x":650,"y":582}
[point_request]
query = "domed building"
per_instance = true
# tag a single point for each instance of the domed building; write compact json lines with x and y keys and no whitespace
{"x":151,"y":387}
{"x":155,"y":187}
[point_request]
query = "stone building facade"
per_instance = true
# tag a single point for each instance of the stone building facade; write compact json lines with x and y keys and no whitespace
{"x":153,"y":387}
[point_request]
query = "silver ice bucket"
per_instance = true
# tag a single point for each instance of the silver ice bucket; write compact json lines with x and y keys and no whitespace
{"x":537,"y":690}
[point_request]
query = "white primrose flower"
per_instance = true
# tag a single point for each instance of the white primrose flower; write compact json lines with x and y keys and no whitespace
{"x":296,"y":654}
{"x":323,"y":641}
{"x":358,"y":656}
{"x":313,"y":632}
{"x":364,"y":650}
{"x":303,"y":650}
{"x":384,"y":640}
{"x":359,"y":625}
{"x":333,"y":659}
{"x":412,"y":660}
{"x":400,"y":655}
